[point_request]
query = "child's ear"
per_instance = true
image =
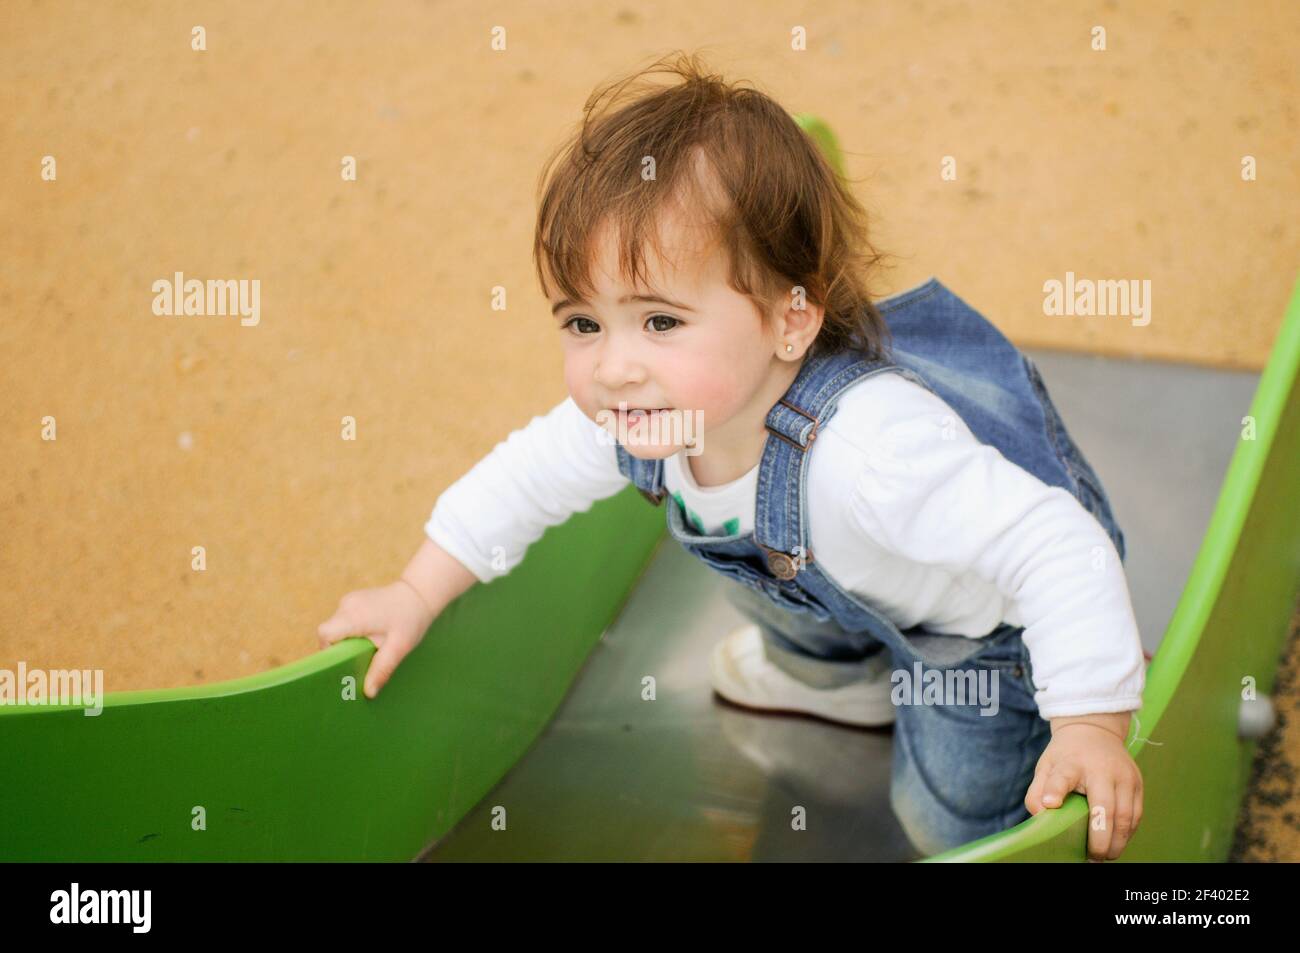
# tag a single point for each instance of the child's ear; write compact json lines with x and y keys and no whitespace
{"x":798,"y":320}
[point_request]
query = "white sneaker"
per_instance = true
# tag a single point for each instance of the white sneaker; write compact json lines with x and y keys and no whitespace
{"x":742,"y":674}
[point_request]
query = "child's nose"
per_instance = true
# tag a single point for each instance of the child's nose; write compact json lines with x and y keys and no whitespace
{"x":617,"y":367}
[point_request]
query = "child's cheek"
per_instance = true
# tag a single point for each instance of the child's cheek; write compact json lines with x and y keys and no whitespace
{"x":577,"y":378}
{"x":712,"y":390}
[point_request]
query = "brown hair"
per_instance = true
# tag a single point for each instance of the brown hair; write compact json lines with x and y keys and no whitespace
{"x":770,"y":196}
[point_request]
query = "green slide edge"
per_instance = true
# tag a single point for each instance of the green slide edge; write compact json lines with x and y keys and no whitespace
{"x":281,"y":766}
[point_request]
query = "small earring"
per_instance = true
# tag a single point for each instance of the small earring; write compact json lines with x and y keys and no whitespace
{"x":789,"y":348}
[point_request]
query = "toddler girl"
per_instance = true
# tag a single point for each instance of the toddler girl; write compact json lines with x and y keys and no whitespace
{"x":897,"y":506}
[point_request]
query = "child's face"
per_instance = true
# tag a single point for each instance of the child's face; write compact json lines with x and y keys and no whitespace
{"x":699,"y":348}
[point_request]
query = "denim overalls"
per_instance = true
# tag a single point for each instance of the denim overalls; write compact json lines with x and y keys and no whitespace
{"x":957,"y":774}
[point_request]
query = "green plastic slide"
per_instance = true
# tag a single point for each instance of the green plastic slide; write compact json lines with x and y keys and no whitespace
{"x":283,"y":766}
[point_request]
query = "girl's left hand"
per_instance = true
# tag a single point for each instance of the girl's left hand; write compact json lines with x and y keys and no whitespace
{"x":1094,"y":762}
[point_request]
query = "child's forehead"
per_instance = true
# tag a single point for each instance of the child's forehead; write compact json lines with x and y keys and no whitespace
{"x":683,"y":255}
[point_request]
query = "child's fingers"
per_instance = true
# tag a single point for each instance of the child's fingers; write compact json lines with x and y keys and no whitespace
{"x":336,"y":627}
{"x":1042,"y":771}
{"x":1124,"y":795}
{"x":353,"y":617}
{"x":1061,"y":779}
{"x":1034,"y":796}
{"x":1101,"y":818}
{"x":390,"y":654}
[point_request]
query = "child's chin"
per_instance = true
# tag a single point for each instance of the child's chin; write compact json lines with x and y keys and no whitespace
{"x":651,"y":451}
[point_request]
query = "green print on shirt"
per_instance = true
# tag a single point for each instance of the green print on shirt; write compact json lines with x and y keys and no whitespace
{"x":730,"y":528}
{"x":691,"y":516}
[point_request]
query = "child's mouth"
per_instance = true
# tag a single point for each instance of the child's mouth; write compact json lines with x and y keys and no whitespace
{"x":637,"y":414}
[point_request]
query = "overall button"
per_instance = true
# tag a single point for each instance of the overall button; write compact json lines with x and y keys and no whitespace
{"x":781,"y":565}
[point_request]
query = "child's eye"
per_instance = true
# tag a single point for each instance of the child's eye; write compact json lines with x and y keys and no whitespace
{"x":662,"y":317}
{"x":577,"y":317}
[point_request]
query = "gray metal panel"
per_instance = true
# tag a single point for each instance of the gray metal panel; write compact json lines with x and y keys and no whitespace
{"x":1160,"y":436}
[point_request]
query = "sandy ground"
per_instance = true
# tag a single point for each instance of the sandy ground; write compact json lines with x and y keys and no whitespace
{"x":1268,"y":828}
{"x":177,"y":432}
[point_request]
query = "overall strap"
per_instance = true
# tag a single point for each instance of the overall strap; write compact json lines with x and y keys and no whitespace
{"x":780,"y":516}
{"x":646,"y":475}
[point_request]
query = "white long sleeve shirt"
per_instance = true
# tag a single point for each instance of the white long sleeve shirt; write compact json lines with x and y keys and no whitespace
{"x":907,"y":510}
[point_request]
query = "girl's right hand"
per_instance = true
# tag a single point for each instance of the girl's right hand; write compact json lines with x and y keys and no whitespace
{"x":394,"y":617}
